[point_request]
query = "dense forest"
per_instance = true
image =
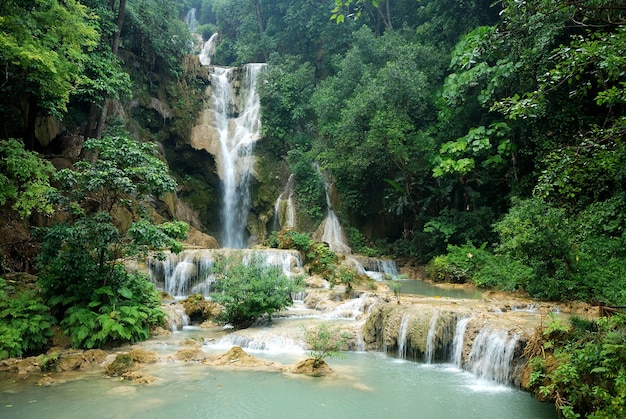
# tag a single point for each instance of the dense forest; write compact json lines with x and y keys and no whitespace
{"x":483,"y":140}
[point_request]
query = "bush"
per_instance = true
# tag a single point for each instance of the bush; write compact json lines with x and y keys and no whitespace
{"x":459,"y":264}
{"x":325,"y":342}
{"x":24,"y":322}
{"x":590,"y":378}
{"x":115,"y":314}
{"x":503,"y":273}
{"x":322,"y":260}
{"x":248,"y":291}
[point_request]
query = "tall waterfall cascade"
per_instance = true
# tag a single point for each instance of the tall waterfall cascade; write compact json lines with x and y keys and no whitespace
{"x":229,"y":127}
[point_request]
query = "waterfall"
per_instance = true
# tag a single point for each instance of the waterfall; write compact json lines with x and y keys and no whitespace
{"x":193,"y":271}
{"x":208,"y":49}
{"x":238,"y":125}
{"x":375,"y":268}
{"x":430,"y":338}
{"x":402,"y":332}
{"x":330,"y":230}
{"x":491,"y":355}
{"x":284,"y":209}
{"x":190,"y":20}
{"x":458,"y":342}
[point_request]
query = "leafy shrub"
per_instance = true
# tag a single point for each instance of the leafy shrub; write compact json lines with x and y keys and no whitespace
{"x":358,"y":243}
{"x":322,"y":260}
{"x":344,"y":276}
{"x":24,"y":322}
{"x":459,"y":264}
{"x":590,"y":377}
{"x":292,"y":239}
{"x":325,"y":342}
{"x":503,"y":273}
{"x":114,"y":315}
{"x":248,"y":290}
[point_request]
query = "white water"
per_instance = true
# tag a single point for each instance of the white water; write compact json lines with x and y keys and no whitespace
{"x":284,"y":208}
{"x":459,"y":342}
{"x":430,"y":338}
{"x":192,"y":271}
{"x":208,"y":49}
{"x":491,"y":355}
{"x":402,"y":332}
{"x":191,"y":21}
{"x":238,"y":125}
{"x":330,"y":230}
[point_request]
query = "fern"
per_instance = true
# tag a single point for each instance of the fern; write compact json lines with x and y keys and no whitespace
{"x":25,"y":324}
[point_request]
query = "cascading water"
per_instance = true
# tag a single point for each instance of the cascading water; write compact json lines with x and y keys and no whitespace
{"x":208,"y":49}
{"x":491,"y":355}
{"x":237,"y":123}
{"x":459,"y":342}
{"x":402,"y":332}
{"x":430,"y":338}
{"x":193,"y":271}
{"x":330,"y":230}
{"x":284,"y":209}
{"x":191,"y":21}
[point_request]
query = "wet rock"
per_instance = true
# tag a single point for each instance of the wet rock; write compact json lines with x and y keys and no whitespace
{"x":122,"y":364}
{"x":143,"y":357}
{"x":313,"y":368}
{"x":191,"y":355}
{"x":139,"y":377}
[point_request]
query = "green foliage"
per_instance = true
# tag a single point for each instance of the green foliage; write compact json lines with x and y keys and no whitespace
{"x":24,"y":179}
{"x":504,"y":273}
{"x":82,"y":274}
{"x":43,"y":47}
{"x":24,"y":322}
{"x":322,"y":261}
{"x":324,"y":341}
{"x":310,"y":194}
{"x":344,"y":276}
{"x":590,"y":379}
{"x":358,"y":243}
{"x":124,"y":313}
{"x":459,"y":264}
{"x":249,"y":290}
{"x":121,"y":168}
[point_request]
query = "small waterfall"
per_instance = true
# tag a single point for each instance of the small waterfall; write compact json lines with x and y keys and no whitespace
{"x":191,"y":21}
{"x":193,"y":271}
{"x":458,"y":342}
{"x":208,"y":49}
{"x":262,"y":342}
{"x":402,"y":332}
{"x":350,"y":310}
{"x":430,"y":338}
{"x":376,"y":268}
{"x":330,"y":230}
{"x":284,"y":209}
{"x":491,"y":355}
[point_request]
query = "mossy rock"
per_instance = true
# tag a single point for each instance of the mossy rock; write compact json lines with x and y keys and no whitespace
{"x":122,"y":364}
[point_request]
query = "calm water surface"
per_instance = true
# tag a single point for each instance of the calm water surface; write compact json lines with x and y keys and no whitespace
{"x":368,"y":385}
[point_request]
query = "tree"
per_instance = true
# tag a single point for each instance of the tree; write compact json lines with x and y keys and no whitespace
{"x":82,"y":272}
{"x":43,"y":48}
{"x":252,"y":289}
{"x":24,"y":179}
{"x":324,"y":341}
